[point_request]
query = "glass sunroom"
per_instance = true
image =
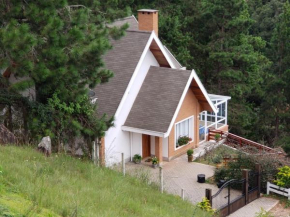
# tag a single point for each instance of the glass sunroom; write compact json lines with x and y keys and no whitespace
{"x":211,"y":120}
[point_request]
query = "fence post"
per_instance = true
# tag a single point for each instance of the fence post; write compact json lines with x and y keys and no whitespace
{"x":98,"y":154}
{"x":208,"y":194}
{"x":94,"y":153}
{"x":246,"y":185}
{"x":258,"y":171}
{"x":123,"y":164}
{"x":161,"y":179}
{"x":182,"y":194}
{"x":268,"y":187}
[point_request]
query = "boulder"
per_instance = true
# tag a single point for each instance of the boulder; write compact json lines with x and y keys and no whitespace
{"x":45,"y":146}
{"x":6,"y":137}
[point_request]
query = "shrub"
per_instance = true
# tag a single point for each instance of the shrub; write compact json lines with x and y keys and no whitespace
{"x":189,"y":152}
{"x":286,"y":148}
{"x":217,"y":159}
{"x":220,"y":174}
{"x":283,"y":177}
{"x":205,"y":205}
{"x":137,"y":158}
{"x":269,"y":165}
{"x":263,"y":213}
{"x":217,"y":136}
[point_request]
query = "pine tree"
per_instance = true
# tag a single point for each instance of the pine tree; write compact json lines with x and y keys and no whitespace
{"x":57,"y":45}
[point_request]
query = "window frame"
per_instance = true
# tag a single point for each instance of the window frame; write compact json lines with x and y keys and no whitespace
{"x":189,"y":130}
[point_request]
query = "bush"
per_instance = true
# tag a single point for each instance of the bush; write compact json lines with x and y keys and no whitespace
{"x":189,"y":152}
{"x":220,"y":174}
{"x":205,"y":205}
{"x":217,"y":159}
{"x":283,"y":177}
{"x":269,"y":165}
{"x":137,"y":158}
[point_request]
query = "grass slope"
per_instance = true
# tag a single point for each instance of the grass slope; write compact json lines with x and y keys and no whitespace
{"x":71,"y":187}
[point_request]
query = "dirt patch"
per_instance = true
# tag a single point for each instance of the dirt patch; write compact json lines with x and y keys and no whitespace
{"x":280,"y":211}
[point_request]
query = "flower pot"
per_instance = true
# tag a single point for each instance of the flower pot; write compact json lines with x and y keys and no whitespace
{"x":190,"y":158}
{"x":154,"y":166}
{"x":137,"y":161}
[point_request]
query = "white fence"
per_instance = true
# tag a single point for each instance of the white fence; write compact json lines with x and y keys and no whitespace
{"x":278,"y":190}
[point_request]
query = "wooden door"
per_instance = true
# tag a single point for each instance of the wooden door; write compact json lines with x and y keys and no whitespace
{"x":145,"y":146}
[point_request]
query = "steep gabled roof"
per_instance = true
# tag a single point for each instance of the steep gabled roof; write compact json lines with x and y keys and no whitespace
{"x":122,"y":60}
{"x":133,"y":23}
{"x":158,"y":99}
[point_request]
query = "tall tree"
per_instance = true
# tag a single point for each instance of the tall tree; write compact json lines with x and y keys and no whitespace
{"x":57,"y":46}
{"x":275,"y":113}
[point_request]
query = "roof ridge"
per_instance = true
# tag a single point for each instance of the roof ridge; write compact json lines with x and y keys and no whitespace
{"x":139,"y":31}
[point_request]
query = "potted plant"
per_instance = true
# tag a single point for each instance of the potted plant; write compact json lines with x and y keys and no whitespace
{"x":137,"y":158}
{"x":217,"y":137}
{"x":183,"y":140}
{"x":190,"y":155}
{"x":154,"y":162}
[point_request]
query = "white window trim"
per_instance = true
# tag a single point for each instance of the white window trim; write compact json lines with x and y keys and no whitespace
{"x":192,"y":132}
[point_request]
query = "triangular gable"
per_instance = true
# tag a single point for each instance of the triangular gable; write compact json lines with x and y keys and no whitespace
{"x":202,"y":96}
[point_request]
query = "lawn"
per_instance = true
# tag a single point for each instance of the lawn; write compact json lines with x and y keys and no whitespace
{"x":64,"y":186}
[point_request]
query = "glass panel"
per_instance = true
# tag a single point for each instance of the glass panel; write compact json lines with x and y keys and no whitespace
{"x":184,"y":128}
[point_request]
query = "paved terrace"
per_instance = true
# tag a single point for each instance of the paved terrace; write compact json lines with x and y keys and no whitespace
{"x":179,"y":174}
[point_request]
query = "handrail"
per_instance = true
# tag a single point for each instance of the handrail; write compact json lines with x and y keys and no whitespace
{"x":226,"y":184}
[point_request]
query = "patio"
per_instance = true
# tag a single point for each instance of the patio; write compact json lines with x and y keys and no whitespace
{"x":178,"y":174}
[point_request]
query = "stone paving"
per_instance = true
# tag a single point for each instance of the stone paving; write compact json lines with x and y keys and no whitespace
{"x":178,"y":174}
{"x":251,"y":209}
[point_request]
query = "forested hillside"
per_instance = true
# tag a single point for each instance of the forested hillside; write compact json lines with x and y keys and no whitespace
{"x":239,"y":48}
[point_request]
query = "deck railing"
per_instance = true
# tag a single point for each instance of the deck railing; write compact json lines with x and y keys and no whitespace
{"x":241,"y":143}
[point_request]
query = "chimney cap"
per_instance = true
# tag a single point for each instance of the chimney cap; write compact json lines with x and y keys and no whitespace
{"x":148,"y":10}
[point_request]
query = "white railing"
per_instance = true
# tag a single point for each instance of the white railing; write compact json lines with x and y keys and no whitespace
{"x":278,"y":190}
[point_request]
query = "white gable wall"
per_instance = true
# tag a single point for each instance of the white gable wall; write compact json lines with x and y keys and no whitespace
{"x":116,"y":140}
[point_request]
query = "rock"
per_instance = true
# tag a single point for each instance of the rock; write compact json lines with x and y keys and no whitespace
{"x":6,"y":137}
{"x":45,"y":146}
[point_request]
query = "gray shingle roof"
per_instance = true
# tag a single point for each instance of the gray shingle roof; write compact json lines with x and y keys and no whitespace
{"x":158,"y":99}
{"x":122,"y":60}
{"x":133,"y":24}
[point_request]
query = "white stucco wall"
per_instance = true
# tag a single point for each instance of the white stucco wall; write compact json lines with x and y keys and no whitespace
{"x":152,"y":145}
{"x":165,"y":147}
{"x":116,"y":140}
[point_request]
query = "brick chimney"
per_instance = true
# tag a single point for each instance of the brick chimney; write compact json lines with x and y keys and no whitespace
{"x":148,"y":20}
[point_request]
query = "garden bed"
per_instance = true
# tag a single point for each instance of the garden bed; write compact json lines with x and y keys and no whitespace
{"x":215,"y":156}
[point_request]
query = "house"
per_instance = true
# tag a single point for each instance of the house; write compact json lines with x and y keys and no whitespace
{"x":154,"y":100}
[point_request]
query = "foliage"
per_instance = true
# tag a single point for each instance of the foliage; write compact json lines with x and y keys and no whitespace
{"x":215,"y":155}
{"x":238,"y":48}
{"x":269,"y":165}
{"x":217,"y":137}
{"x":263,"y":213}
{"x":205,"y":205}
{"x":154,"y":160}
{"x":66,"y":185}
{"x":183,"y":140}
{"x":189,"y":152}
{"x":283,"y":177}
{"x":56,"y":47}
{"x":137,"y":158}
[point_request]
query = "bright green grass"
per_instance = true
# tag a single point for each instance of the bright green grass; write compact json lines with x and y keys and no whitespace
{"x":72,"y":187}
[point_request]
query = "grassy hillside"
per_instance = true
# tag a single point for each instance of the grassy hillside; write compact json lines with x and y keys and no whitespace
{"x":71,"y":187}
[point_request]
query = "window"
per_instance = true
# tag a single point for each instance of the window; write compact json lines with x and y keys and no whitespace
{"x":183,"y":129}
